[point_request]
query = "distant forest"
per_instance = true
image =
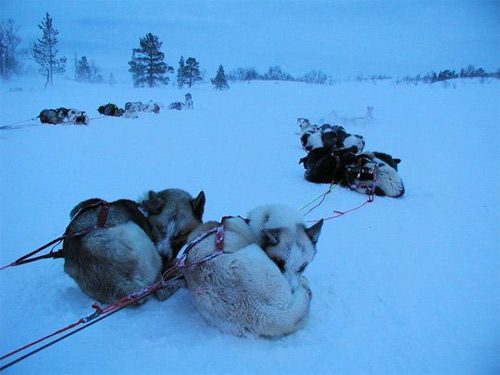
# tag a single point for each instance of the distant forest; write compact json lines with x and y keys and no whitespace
{"x":147,"y":65}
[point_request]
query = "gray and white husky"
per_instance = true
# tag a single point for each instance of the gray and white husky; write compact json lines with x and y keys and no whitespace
{"x":256,"y":287}
{"x":122,"y":254}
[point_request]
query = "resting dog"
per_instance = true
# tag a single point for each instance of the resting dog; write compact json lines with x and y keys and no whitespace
{"x":256,"y":287}
{"x":326,"y":135}
{"x":367,"y":173}
{"x":375,"y":173}
{"x":63,"y":115}
{"x":132,"y":108}
{"x":324,"y":165}
{"x":110,"y":109}
{"x":121,"y":252}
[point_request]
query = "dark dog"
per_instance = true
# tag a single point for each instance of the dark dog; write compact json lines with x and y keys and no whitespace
{"x":367,"y":173}
{"x":176,"y":105}
{"x":110,"y":109}
{"x":189,"y":101}
{"x":324,"y":165}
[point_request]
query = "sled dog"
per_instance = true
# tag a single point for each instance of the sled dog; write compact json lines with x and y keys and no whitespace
{"x":121,"y":253}
{"x":256,"y":287}
{"x":189,"y":101}
{"x":324,"y":165}
{"x":326,"y":135}
{"x":63,"y":115}
{"x":375,"y":172}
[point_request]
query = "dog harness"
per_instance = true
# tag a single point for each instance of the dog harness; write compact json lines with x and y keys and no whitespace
{"x":101,"y":222}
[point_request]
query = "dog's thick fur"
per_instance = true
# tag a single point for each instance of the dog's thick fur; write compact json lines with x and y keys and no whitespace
{"x":324,"y":165}
{"x":123,"y":257}
{"x":173,"y":214}
{"x":243,"y":292}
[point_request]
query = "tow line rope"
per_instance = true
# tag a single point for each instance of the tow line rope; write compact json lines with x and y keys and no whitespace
{"x":337,"y":214}
{"x":21,"y":124}
{"x":370,"y":192}
{"x":321,"y":197}
{"x":103,"y":312}
{"x":17,"y":125}
{"x":101,"y":222}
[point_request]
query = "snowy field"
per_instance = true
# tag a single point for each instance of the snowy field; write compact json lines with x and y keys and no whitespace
{"x":401,"y":286}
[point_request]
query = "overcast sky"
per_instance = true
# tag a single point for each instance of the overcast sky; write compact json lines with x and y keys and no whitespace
{"x":342,"y":38}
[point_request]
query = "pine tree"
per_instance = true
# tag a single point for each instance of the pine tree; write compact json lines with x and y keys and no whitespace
{"x":219,"y":81}
{"x":191,"y":71}
{"x":44,"y":51}
{"x":181,"y":73}
{"x":83,"y":72}
{"x":147,"y":65}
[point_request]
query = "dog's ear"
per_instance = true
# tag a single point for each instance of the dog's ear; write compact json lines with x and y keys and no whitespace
{"x":269,"y":237}
{"x":314,"y":231}
{"x":154,"y":203}
{"x":198,"y":205}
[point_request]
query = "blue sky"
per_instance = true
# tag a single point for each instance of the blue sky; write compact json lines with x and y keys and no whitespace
{"x":342,"y":38}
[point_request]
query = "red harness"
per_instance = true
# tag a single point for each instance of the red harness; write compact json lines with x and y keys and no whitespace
{"x":101,"y":222}
{"x":105,"y":311}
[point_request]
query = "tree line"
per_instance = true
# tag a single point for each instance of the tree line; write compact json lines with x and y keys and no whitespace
{"x":148,"y":67}
{"x":448,"y":74}
{"x":147,"y":64}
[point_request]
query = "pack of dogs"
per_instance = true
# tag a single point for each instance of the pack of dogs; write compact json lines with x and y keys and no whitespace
{"x":63,"y":115}
{"x":131,"y":109}
{"x":338,"y":157}
{"x":254,"y":288}
{"x":255,"y":285}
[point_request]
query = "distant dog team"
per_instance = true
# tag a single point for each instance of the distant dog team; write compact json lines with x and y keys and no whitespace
{"x":335,"y":156}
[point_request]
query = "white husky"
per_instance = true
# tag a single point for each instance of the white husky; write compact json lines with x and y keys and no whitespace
{"x":256,"y":287}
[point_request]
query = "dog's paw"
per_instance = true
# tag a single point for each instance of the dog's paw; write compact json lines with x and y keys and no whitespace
{"x":304,"y":284}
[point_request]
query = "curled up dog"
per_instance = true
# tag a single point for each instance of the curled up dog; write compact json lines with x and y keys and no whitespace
{"x":256,"y":287}
{"x":114,"y":249}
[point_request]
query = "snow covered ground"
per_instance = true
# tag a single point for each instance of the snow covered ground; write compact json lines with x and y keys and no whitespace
{"x":401,"y":286}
